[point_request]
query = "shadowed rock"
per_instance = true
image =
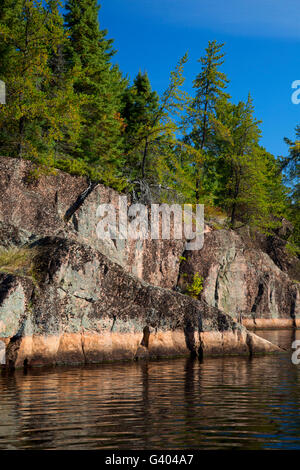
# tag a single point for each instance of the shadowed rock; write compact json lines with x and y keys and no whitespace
{"x":243,"y":281}
{"x":99,"y":300}
{"x":87,"y":309}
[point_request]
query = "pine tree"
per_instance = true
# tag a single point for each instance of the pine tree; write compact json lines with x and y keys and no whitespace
{"x":101,"y":86}
{"x":209,"y":85}
{"x":153,"y":133}
{"x":61,"y":96}
{"x":247,"y":185}
{"x":291,"y":164}
{"x":141,"y":106}
{"x":34,"y":118}
{"x":290,"y":167}
{"x":23,"y":68}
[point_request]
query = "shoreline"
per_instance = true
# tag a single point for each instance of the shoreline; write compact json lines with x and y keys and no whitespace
{"x":271,"y":324}
{"x":95,"y":348}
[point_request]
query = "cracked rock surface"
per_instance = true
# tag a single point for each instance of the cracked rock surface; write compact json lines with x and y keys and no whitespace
{"x":88,"y":309}
{"x":103,"y":300}
{"x":243,"y":281}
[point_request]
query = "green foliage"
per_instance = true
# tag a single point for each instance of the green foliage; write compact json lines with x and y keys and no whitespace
{"x":141,"y":106}
{"x":290,"y":166}
{"x":214,"y":212}
{"x":196,"y":287}
{"x":69,"y":108}
{"x":100,"y":87}
{"x":247,"y":184}
{"x":292,"y":249}
{"x":154,"y":127}
{"x":39,"y":114}
{"x":63,"y":95}
{"x":209,"y":84}
{"x":217,"y":226}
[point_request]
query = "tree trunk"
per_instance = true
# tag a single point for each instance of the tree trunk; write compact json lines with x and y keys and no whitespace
{"x":203,"y":140}
{"x":232,"y":221}
{"x":144,"y":158}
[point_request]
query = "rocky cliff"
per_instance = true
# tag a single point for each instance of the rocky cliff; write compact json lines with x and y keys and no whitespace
{"x":243,"y":280}
{"x":95,"y":300}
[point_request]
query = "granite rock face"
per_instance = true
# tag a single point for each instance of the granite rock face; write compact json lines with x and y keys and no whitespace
{"x":88,"y":309}
{"x":243,"y":281}
{"x":275,"y":247}
{"x":102,"y":300}
{"x":31,"y":208}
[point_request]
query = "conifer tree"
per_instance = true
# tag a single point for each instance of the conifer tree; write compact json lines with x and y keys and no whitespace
{"x":154,"y":129}
{"x":290,"y":167}
{"x":247,"y":186}
{"x":34,"y":118}
{"x":23,"y":67}
{"x":141,"y":106}
{"x":61,"y":96}
{"x":209,"y":84}
{"x":100,"y":85}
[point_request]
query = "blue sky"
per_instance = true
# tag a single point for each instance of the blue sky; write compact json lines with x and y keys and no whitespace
{"x":262,"y":45}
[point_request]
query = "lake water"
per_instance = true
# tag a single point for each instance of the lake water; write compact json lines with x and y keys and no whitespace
{"x":222,"y":403}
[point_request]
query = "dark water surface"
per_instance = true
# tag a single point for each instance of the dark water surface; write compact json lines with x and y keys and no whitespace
{"x":222,"y":403}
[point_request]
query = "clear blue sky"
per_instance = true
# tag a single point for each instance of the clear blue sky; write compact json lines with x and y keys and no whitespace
{"x":262,"y":49}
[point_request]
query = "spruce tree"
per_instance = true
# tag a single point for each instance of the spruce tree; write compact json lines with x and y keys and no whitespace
{"x":141,"y":106}
{"x":290,"y":168}
{"x":23,"y":67}
{"x":153,"y":132}
{"x":34,"y":118}
{"x":246,"y":182}
{"x":209,"y":84}
{"x":101,"y":86}
{"x":61,"y":96}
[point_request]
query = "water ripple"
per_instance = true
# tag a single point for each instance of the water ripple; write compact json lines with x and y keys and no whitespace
{"x":221,"y":403}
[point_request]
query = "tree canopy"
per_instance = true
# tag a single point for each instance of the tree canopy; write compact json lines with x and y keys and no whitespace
{"x":69,"y":107}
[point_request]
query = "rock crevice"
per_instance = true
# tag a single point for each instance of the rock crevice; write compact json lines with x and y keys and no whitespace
{"x":103,"y":300}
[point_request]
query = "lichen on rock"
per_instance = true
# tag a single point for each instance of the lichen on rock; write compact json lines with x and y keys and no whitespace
{"x":111,"y":300}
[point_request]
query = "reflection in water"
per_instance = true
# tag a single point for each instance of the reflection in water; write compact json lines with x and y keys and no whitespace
{"x":221,"y":403}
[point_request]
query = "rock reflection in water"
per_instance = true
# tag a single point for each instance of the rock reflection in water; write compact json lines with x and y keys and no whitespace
{"x":220,"y":403}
